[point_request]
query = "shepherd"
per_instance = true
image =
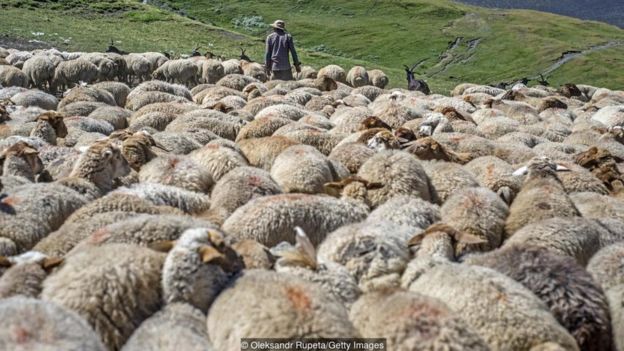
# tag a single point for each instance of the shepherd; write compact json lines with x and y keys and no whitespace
{"x":278,"y":44}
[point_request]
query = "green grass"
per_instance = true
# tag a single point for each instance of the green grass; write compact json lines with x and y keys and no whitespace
{"x":374,"y":33}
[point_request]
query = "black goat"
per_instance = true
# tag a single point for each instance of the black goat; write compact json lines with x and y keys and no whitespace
{"x":113,"y":49}
{"x":414,"y":84}
{"x":243,"y":56}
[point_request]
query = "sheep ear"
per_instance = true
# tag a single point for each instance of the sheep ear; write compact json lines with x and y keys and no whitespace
{"x":466,"y":238}
{"x":49,"y":263}
{"x":416,"y":239}
{"x":373,"y":186}
{"x":162,"y":246}
{"x":561,"y":168}
{"x":215,"y":238}
{"x":333,"y":188}
{"x":210,"y":255}
{"x":521,"y":171}
{"x":5,"y":262}
{"x":30,"y":151}
{"x":304,"y":243}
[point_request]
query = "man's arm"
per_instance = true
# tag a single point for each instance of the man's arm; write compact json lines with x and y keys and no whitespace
{"x":268,"y":63}
{"x":291,"y":46}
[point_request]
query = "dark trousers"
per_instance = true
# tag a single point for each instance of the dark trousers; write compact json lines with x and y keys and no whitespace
{"x":282,"y":75}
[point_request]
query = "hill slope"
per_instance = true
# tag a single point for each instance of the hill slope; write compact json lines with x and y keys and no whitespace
{"x":456,"y":42}
{"x":609,"y":11}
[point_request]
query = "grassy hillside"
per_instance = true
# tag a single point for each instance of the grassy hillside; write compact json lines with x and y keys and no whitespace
{"x":457,"y":42}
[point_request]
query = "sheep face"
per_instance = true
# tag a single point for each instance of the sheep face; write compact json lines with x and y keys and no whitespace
{"x":373,"y":122}
{"x":384,"y":140}
{"x":56,"y":121}
{"x":540,"y":167}
{"x":26,"y":153}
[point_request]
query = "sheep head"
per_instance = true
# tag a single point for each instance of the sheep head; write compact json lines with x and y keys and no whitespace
{"x":443,"y":239}
{"x":540,"y":167}
{"x":56,"y":121}
{"x":136,"y":149}
{"x":47,"y":263}
{"x":4,"y":115}
{"x":303,"y":254}
{"x":384,"y":140}
{"x":209,"y":244}
{"x":617,"y":133}
{"x":351,"y":186}
{"x":25,"y":152}
{"x":101,"y":163}
{"x":429,"y":149}
{"x":373,"y":122}
{"x":569,"y":90}
{"x":324,"y":83}
{"x":551,"y":102}
{"x":404,"y":135}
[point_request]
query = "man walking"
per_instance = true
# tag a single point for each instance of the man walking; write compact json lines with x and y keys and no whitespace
{"x":276,"y":59}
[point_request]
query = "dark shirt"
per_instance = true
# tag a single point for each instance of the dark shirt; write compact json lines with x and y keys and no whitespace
{"x":278,"y":44}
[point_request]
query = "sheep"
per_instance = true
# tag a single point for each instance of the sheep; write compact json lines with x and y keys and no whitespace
{"x":399,"y":173}
{"x":413,"y":321}
{"x":180,"y":171}
{"x":576,"y":237}
{"x":165,"y":195}
{"x":71,"y":233}
{"x":12,"y":76}
{"x":118,"y":90}
{"x":180,"y":71}
{"x":357,"y":77}
{"x":70,"y":73}
{"x":163,"y":87}
{"x":478,"y":212}
{"x":217,"y":160}
{"x":176,"y":325}
{"x":596,"y":206}
{"x":35,"y":211}
{"x":87,"y":94}
{"x":20,"y":160}
{"x":26,"y":273}
{"x":35,"y":98}
{"x":351,"y":155}
{"x":236,"y":81}
{"x":156,"y":120}
{"x":138,"y":67}
{"x":40,"y":71}
{"x":295,"y":308}
{"x":569,"y":291}
{"x":542,"y":196}
{"x":334,"y":72}
{"x":28,"y":323}
{"x":516,"y":318}
{"x":302,"y":169}
{"x":212,"y":71}
{"x":447,"y":178}
{"x":261,"y":152}
{"x":495,"y":174}
{"x":236,"y":188}
{"x":375,"y":253}
{"x":259,"y":128}
{"x":316,"y":215}
{"x":156,"y":59}
{"x":225,"y":126}
{"x":197,"y":267}
{"x":95,"y":282}
{"x":176,"y":143}
{"x":116,"y":116}
{"x":143,"y":99}
{"x":606,"y":268}
{"x":378,"y":78}
{"x":402,"y":210}
{"x":100,"y":164}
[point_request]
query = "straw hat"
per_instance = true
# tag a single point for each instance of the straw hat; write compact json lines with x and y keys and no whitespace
{"x":279,"y":24}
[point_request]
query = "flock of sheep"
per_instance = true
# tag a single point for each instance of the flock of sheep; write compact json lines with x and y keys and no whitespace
{"x":156,"y":204}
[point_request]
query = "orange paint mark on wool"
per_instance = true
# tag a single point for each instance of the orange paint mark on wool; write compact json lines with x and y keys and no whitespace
{"x":298,"y":297}
{"x":99,"y":236}
{"x":11,"y":201}
{"x":21,"y":335}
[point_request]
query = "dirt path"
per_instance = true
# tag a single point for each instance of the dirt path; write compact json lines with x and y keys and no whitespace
{"x":571,"y":55}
